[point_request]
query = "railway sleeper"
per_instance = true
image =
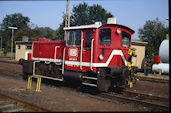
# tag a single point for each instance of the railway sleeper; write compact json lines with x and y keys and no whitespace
{"x":9,"y":107}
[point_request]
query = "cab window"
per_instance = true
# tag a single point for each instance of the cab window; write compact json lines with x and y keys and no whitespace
{"x":105,"y":36}
{"x":88,"y":38}
{"x":73,"y":38}
{"x":125,"y":41}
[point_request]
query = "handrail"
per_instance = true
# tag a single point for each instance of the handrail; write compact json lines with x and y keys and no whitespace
{"x":81,"y":53}
{"x":34,"y":64}
{"x":63,"y":61}
{"x":55,"y":52}
{"x":91,"y":66}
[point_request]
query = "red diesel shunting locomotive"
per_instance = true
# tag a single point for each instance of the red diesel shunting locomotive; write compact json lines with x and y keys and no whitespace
{"x":94,"y":55}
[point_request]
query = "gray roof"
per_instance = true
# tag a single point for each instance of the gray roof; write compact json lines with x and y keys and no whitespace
{"x":23,"y":42}
{"x":138,"y":42}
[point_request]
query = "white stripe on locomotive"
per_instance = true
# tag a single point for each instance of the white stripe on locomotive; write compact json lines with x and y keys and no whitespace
{"x":87,"y":64}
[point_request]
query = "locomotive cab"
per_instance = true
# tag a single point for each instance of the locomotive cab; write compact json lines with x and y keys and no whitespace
{"x":99,"y":52}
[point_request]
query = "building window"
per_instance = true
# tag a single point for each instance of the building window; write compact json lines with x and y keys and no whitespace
{"x":125,"y":42}
{"x":28,"y":47}
{"x":19,"y":47}
{"x":105,"y":36}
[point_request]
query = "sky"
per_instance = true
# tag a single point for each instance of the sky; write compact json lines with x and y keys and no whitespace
{"x":131,"y":13}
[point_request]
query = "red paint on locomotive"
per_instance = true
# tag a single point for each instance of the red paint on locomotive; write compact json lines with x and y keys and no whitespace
{"x":114,"y":53}
{"x":90,"y":53}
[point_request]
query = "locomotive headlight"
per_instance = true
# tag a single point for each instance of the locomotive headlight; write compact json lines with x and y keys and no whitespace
{"x":118,"y":31}
{"x":101,"y":57}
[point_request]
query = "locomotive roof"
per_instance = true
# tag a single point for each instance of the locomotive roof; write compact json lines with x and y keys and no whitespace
{"x":91,"y":26}
{"x":83,"y":27}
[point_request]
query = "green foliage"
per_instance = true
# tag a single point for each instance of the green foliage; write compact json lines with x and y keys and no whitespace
{"x":32,"y":34}
{"x":153,"y":32}
{"x":97,"y":13}
{"x":14,"y":20}
{"x":80,"y":15}
{"x":22,"y":23}
{"x":47,"y":32}
{"x":59,"y":33}
{"x":83,"y":14}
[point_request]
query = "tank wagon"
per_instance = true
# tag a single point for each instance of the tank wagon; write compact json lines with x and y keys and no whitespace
{"x":95,"y":55}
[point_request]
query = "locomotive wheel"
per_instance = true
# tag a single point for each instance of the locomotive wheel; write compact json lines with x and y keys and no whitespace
{"x":125,"y":74}
{"x":103,"y":83}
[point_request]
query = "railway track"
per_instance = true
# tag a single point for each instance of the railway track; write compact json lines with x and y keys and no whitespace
{"x":10,"y":104}
{"x":7,"y":106}
{"x":146,"y":96}
{"x":11,"y":71}
{"x":152,"y":79}
{"x":154,"y":103}
{"x":9,"y":61}
{"x":151,"y":102}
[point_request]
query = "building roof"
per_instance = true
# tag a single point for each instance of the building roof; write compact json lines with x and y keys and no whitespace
{"x":138,"y":42}
{"x":23,"y":42}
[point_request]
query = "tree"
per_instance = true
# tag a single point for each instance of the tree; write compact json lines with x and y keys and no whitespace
{"x":14,"y":20}
{"x":80,"y":15}
{"x":59,"y":33}
{"x":47,"y":32}
{"x":83,"y":14}
{"x":32,"y":34}
{"x":97,"y":13}
{"x":153,"y":32}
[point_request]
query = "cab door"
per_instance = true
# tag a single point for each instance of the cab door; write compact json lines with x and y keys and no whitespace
{"x":86,"y":50}
{"x":72,"y":50}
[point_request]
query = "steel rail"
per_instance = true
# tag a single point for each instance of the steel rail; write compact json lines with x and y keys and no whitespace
{"x":7,"y":106}
{"x":133,"y":100}
{"x":147,"y":96}
{"x":11,"y":71}
{"x":24,"y":103}
{"x":9,"y":61}
{"x":138,"y":101}
{"x":152,"y":79}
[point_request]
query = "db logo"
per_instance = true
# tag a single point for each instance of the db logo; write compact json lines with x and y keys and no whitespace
{"x":73,"y":52}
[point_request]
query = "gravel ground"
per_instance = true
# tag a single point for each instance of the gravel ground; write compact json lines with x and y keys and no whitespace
{"x":57,"y":99}
{"x":11,"y":67}
{"x":152,"y":88}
